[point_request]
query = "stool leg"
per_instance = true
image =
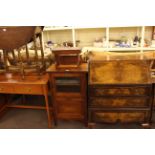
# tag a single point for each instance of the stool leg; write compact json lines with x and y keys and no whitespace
{"x":47,"y":107}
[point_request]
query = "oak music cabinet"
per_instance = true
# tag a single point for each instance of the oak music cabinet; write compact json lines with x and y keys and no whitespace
{"x":69,"y":92}
{"x":119,"y":91}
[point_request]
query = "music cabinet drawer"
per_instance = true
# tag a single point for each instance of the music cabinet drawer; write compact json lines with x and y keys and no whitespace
{"x":6,"y":88}
{"x":123,"y":117}
{"x":119,"y":102}
{"x":119,"y":91}
{"x":28,"y":89}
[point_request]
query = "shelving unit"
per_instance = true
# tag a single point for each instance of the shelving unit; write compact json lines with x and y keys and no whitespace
{"x":58,"y":36}
{"x":87,"y":36}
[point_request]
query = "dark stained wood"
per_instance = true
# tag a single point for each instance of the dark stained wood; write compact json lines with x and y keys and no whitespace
{"x":13,"y":37}
{"x":69,"y":92}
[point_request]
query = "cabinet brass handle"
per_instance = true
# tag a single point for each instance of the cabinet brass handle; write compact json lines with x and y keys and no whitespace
{"x":29,"y":89}
{"x":1,"y":88}
{"x":136,"y":91}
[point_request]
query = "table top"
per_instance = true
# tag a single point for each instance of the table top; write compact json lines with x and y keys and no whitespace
{"x":10,"y":78}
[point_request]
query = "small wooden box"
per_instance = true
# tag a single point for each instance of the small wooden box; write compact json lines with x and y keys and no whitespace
{"x":67,"y":57}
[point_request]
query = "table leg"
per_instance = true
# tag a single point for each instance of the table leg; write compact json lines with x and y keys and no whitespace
{"x":53,"y":103}
{"x":47,"y":106}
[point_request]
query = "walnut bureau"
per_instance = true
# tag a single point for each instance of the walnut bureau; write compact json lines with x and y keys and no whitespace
{"x":31,"y":85}
{"x":69,"y":92}
{"x":120,"y":91}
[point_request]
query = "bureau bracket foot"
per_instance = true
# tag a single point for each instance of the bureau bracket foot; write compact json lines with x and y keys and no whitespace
{"x":3,"y":110}
{"x":146,"y":125}
{"x":91,"y":125}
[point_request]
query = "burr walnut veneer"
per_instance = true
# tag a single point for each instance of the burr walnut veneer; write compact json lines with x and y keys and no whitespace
{"x":120,"y":91}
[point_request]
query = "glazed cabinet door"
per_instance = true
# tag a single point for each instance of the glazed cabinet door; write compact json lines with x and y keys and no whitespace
{"x":67,"y":84}
{"x":69,"y":95}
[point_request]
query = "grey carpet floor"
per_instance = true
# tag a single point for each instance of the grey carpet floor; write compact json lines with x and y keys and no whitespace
{"x":37,"y":119}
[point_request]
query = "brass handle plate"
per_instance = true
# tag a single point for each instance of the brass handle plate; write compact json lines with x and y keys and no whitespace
{"x":29,"y":89}
{"x":1,"y":88}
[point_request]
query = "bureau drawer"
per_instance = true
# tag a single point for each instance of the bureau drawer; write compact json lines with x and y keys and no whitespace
{"x":6,"y":88}
{"x":28,"y":89}
{"x":124,"y":117}
{"x":119,"y":91}
{"x":119,"y":102}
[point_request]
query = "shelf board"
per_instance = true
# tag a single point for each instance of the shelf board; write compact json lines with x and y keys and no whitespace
{"x":70,"y":28}
{"x":131,"y":49}
{"x":149,"y":48}
{"x":89,"y":27}
{"x":49,"y":28}
{"x":57,"y":28}
{"x":120,"y":49}
{"x":124,"y":49}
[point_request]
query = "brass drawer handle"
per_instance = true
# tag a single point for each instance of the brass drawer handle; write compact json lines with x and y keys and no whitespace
{"x":136,"y":90}
{"x":1,"y":88}
{"x":29,"y":89}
